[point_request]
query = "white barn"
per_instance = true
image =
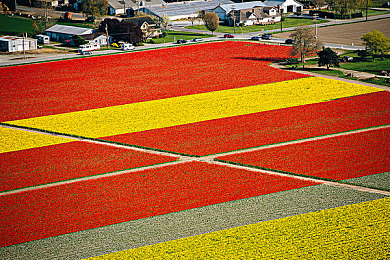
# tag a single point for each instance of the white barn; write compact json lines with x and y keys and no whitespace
{"x":286,"y":6}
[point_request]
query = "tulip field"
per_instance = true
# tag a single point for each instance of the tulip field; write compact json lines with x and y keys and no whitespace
{"x":202,"y":151}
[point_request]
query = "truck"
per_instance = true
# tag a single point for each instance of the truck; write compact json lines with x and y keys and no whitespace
{"x":89,"y":47}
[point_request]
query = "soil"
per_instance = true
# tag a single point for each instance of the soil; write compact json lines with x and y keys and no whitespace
{"x":347,"y":33}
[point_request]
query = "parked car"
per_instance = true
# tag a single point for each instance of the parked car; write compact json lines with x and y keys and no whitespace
{"x":197,"y":40}
{"x":255,"y":38}
{"x":228,"y":35}
{"x":346,"y":58}
{"x":85,"y":53}
{"x":289,"y":41}
{"x":127,"y":47}
{"x":180,"y":41}
{"x":266,"y":36}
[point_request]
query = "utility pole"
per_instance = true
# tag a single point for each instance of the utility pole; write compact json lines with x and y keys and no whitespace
{"x":107,"y":39}
{"x":234,"y":19}
{"x":24,"y":53}
{"x":281,"y":21}
{"x":315,"y":25}
{"x":366,"y":9}
{"x":124,"y":7}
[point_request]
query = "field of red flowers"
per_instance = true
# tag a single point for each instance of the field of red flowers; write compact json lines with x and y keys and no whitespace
{"x":84,"y":205}
{"x":338,"y":158}
{"x":96,"y":82}
{"x":294,"y":109}
{"x":60,"y":162}
{"x":234,"y":133}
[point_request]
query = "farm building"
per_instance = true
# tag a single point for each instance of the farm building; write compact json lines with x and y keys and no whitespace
{"x":14,"y":44}
{"x":61,"y":33}
{"x":286,"y":6}
{"x":182,"y":10}
{"x":118,"y":7}
{"x":223,"y":10}
{"x":252,"y":16}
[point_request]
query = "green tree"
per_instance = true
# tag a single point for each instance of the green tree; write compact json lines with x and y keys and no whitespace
{"x":347,"y":6}
{"x":318,"y":3}
{"x":211,"y":21}
{"x":78,"y":40}
{"x":376,"y":44}
{"x":327,"y":57}
{"x":94,"y":8}
{"x":305,"y":43}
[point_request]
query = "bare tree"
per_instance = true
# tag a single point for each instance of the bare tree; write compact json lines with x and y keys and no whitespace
{"x":305,"y":43}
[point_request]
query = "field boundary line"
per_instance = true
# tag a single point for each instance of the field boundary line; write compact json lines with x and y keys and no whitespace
{"x":297,"y":176}
{"x":86,"y":178}
{"x":303,"y":140}
{"x":210,"y":159}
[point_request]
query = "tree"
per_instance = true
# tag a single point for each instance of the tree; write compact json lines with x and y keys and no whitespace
{"x":376,"y":44}
{"x":94,"y":8}
{"x":211,"y":21}
{"x":165,"y":20}
{"x":78,"y":40}
{"x":318,"y":3}
{"x":327,"y":57}
{"x":305,"y":43}
{"x":122,"y":30}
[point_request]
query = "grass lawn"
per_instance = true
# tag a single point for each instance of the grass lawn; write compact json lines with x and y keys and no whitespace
{"x":368,"y":66}
{"x":15,"y":25}
{"x":180,"y":35}
{"x":374,"y":12}
{"x":377,"y":3}
{"x":289,"y":22}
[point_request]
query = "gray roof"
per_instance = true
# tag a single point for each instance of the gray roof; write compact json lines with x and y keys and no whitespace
{"x":277,"y":2}
{"x":186,"y":8}
{"x":118,"y":4}
{"x":239,"y":6}
{"x":73,"y":30}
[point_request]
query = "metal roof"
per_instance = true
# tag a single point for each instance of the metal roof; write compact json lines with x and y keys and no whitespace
{"x":239,"y":6}
{"x":73,"y":30}
{"x":186,"y":8}
{"x":118,"y":4}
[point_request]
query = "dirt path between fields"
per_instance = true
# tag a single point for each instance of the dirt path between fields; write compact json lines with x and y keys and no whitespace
{"x":211,"y":159}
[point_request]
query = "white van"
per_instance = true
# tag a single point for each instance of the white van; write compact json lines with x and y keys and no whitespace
{"x":89,"y":47}
{"x":127,"y":46}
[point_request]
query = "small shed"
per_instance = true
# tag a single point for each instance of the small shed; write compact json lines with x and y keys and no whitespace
{"x":61,"y":33}
{"x":14,"y":44}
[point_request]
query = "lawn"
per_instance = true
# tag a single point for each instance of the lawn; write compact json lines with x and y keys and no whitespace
{"x":369,"y":66}
{"x":15,"y":25}
{"x":289,"y":22}
{"x":173,"y":36}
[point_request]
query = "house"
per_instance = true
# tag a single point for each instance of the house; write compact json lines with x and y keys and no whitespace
{"x":60,"y":33}
{"x":97,"y":38}
{"x":148,"y":27}
{"x":13,"y":44}
{"x":285,"y":6}
{"x":251,"y":16}
{"x":223,"y":10}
